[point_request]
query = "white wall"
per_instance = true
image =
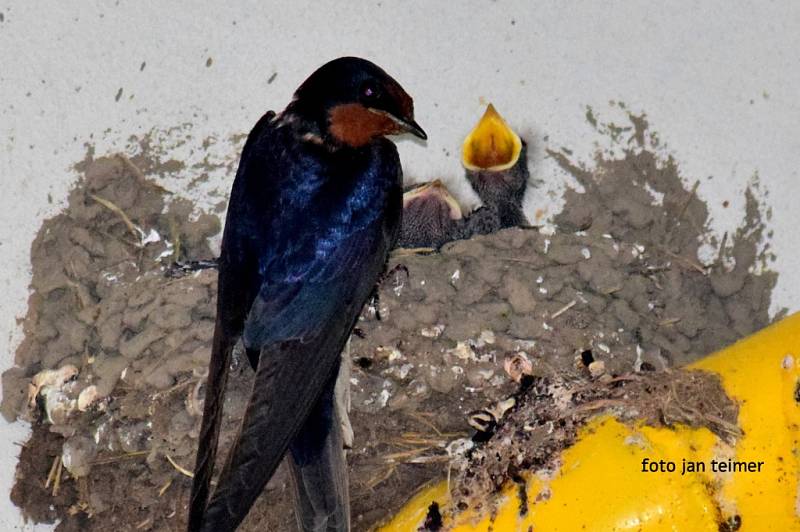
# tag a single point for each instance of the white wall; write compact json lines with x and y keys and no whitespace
{"x":720,"y":84}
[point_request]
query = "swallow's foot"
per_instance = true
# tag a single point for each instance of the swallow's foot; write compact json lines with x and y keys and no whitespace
{"x":375,"y":298}
{"x":184,"y":268}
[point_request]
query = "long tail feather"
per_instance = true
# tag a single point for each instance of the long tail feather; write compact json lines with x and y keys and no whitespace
{"x":290,"y":379}
{"x":209,"y":431}
{"x":319,"y":471}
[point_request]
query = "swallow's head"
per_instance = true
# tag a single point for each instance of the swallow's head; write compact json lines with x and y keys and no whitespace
{"x":354,"y":102}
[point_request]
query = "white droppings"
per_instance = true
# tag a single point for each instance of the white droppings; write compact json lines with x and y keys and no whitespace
{"x":547,"y":230}
{"x":151,"y":237}
{"x":546,"y":245}
{"x":485,"y":338}
{"x":707,"y":253}
{"x":168,"y":251}
{"x":459,"y":447}
{"x":486,"y":374}
{"x":586,"y":253}
{"x":52,"y":379}
{"x":398,"y":288}
{"x":637,"y":364}
{"x":87,"y":397}
{"x":658,"y":197}
{"x":456,"y":275}
{"x":597,"y":368}
{"x":432,"y":332}
{"x":463,"y":351}
{"x":384,"y":397}
{"x":390,"y":353}
{"x":404,"y":370}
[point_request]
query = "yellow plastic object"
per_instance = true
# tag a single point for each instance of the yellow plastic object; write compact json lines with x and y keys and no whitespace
{"x":600,"y":484}
{"x":492,"y":145}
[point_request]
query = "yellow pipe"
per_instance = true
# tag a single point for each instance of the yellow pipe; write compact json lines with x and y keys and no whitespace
{"x":600,"y":484}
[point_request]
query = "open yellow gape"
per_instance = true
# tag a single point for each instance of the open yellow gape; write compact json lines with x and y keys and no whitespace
{"x":492,"y":145}
{"x":600,"y":483}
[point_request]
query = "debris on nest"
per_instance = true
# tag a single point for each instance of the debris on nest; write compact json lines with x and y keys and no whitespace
{"x":550,"y":410}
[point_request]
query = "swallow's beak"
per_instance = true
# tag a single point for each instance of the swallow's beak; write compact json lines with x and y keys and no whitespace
{"x":410,"y":126}
{"x":405,"y":125}
{"x":492,"y":145}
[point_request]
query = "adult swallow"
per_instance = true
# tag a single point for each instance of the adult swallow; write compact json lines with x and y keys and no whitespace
{"x":495,"y":160}
{"x":314,"y":211}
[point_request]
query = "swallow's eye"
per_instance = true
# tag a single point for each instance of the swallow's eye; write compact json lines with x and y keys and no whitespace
{"x":370,"y":92}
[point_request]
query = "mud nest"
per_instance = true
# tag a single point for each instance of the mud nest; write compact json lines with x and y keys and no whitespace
{"x":618,"y":274}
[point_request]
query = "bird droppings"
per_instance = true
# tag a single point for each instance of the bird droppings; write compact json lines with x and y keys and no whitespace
{"x":623,"y":291}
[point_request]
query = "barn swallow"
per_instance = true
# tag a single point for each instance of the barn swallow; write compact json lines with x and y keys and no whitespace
{"x":314,"y":210}
{"x":495,"y":160}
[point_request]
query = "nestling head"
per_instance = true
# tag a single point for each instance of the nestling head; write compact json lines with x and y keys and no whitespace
{"x":354,"y":102}
{"x":492,"y":146}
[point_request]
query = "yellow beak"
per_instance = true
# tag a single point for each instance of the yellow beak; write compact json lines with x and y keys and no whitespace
{"x":492,"y":145}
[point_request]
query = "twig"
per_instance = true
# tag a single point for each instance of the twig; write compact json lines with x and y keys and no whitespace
{"x":419,"y":416}
{"x":57,"y":481}
{"x":137,"y":172}
{"x":563,"y":309}
{"x":51,"y":475}
{"x":182,"y":470}
{"x":430,"y":459}
{"x":404,"y":252}
{"x":686,"y":261}
{"x":688,"y":200}
{"x":374,"y":481}
{"x":165,"y":487}
{"x":143,"y":524}
{"x":112,"y":459}
{"x":395,"y":457}
{"x":134,"y":230}
{"x":132,"y":167}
